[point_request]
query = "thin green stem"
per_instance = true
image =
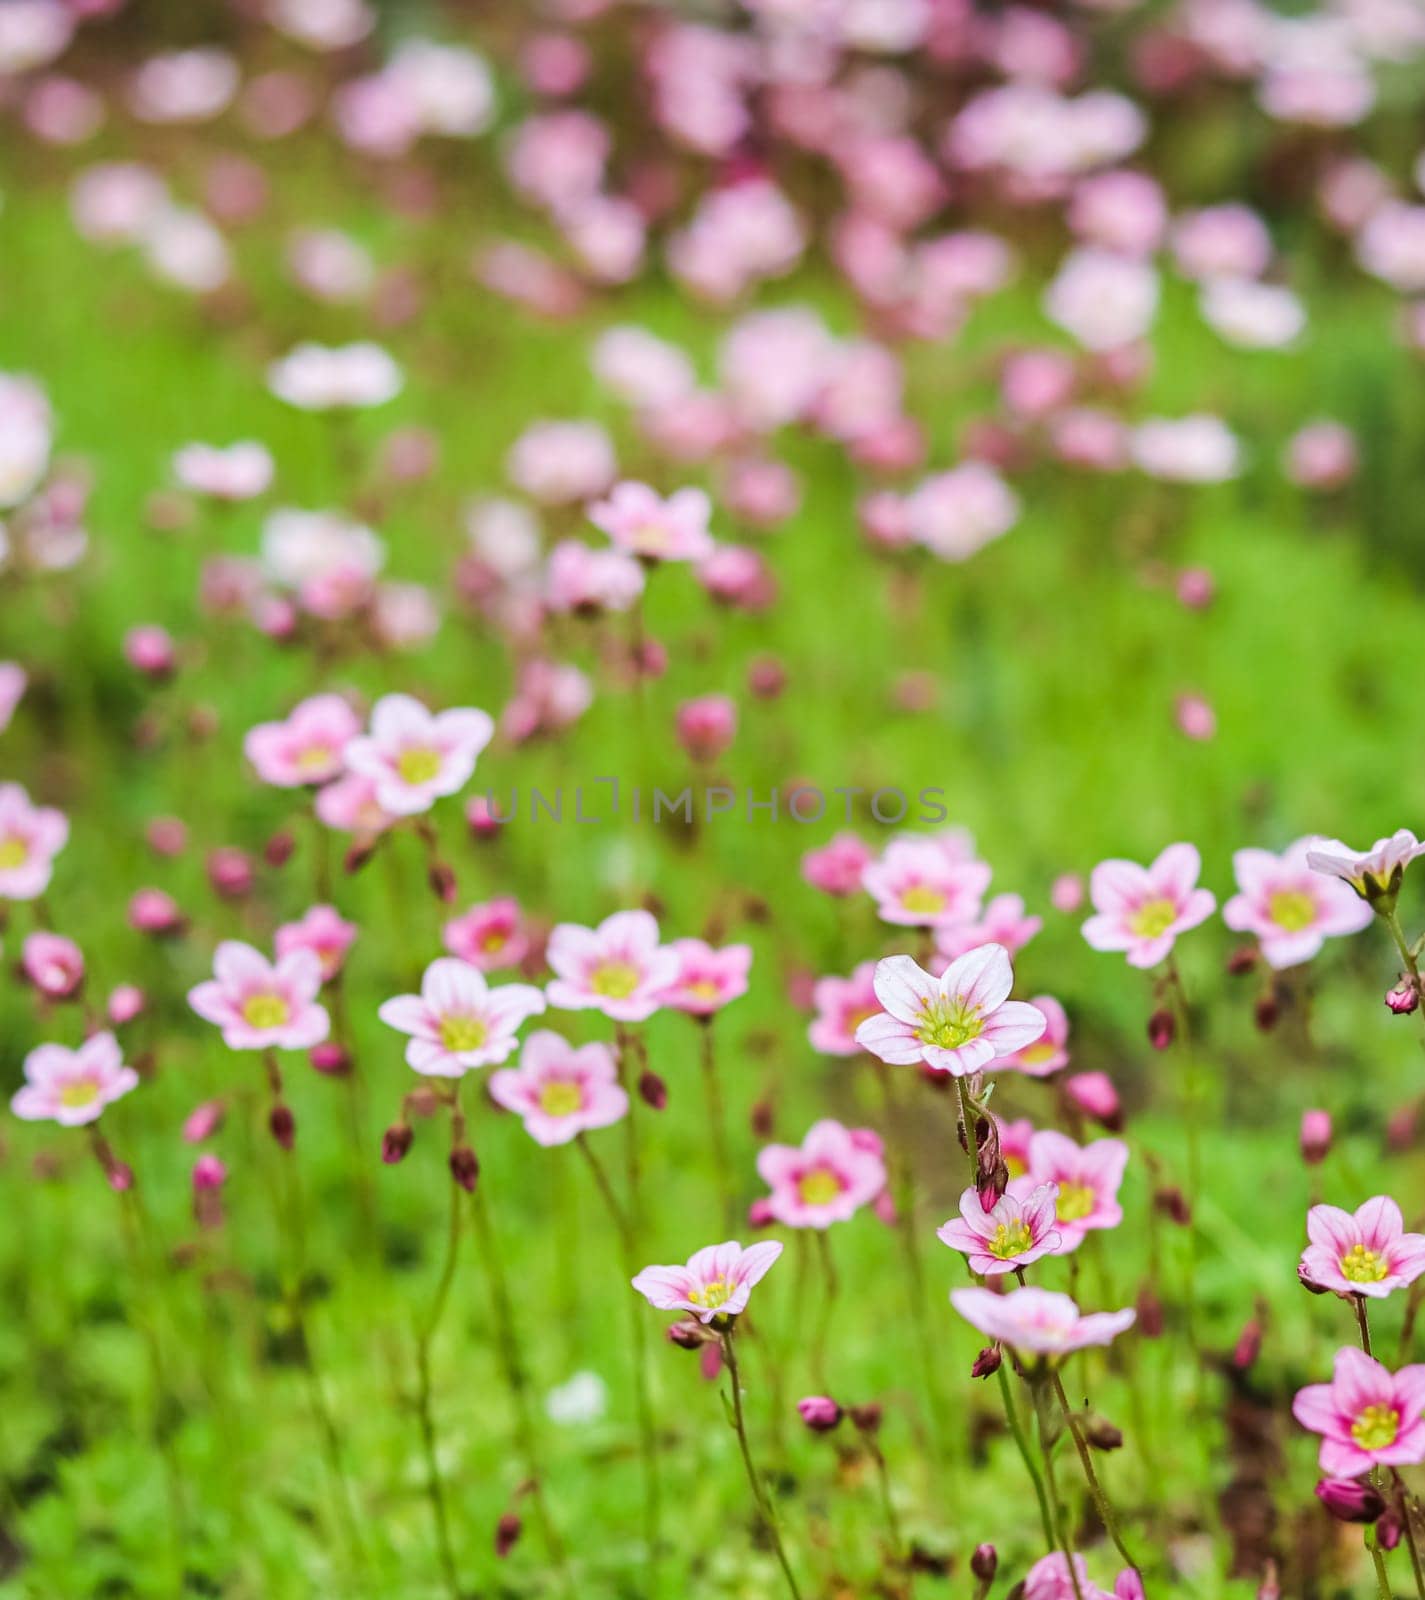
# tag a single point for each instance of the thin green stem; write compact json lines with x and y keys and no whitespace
{"x":717,"y":1122}
{"x":759,"y":1494}
{"x":435,"y":1486}
{"x":1408,"y":957}
{"x":1100,"y":1499}
{"x":1026,"y":1456}
{"x":1061,"y":1539}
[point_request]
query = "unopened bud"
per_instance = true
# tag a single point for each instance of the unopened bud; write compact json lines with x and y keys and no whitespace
{"x":1389,"y":1529}
{"x":1102,"y":1434}
{"x":1161,"y":1028}
{"x":867,"y":1418}
{"x":1242,"y":960}
{"x":653,"y":1090}
{"x":762,"y":1120}
{"x":1249,"y":1346}
{"x":441,"y":879}
{"x":396,"y":1141}
{"x":1172,"y":1203}
{"x":1307,"y":1282}
{"x":1400,"y":1128}
{"x":331,"y":1059}
{"x":819,"y":1412}
{"x":209,"y":1172}
{"x":987,"y":1363}
{"x":283,"y":1125}
{"x":1267,"y":1011}
{"x":690,"y":1335}
{"x":357,"y":857}
{"x":277,"y":852}
{"x":1403,"y":998}
{"x":507,"y":1534}
{"x":120,"y":1175}
{"x":991,"y":1183}
{"x":464,"y":1167}
{"x":1094,"y":1094}
{"x":1350,"y":1500}
{"x":1315,"y":1136}
{"x":1150,"y":1313}
{"x":984,"y":1563}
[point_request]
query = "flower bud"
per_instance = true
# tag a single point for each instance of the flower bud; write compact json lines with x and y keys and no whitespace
{"x":120,"y":1176}
{"x":1161,"y":1028}
{"x":1172,"y":1203}
{"x":1249,"y":1346}
{"x":689,"y":1335}
{"x":867,"y":1418}
{"x":54,"y":964}
{"x":331,"y":1059}
{"x":126,"y":1001}
{"x":283,"y":1125}
{"x":209,"y":1172}
{"x":441,"y":879}
{"x":1094,"y":1094}
{"x":156,"y":912}
{"x":1266,"y":1013}
{"x":1315,"y":1136}
{"x":203,"y":1121}
{"x":1242,"y":960}
{"x":759,"y":1214}
{"x":464,"y":1167}
{"x":357,"y":856}
{"x":1403,"y":998}
{"x":277,"y":852}
{"x":230,"y":873}
{"x":507,"y":1534}
{"x":984,"y":1563}
{"x":819,"y":1412}
{"x":1307,"y":1282}
{"x":762,"y":1120}
{"x":653,"y":1090}
{"x":1350,"y":1500}
{"x":987,"y":1363}
{"x":1400,"y":1128}
{"x":1102,"y":1434}
{"x":1389,"y":1529}
{"x":1150,"y":1313}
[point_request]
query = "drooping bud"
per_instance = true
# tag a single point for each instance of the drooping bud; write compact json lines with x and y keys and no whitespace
{"x":987,"y":1363}
{"x":1403,"y":998}
{"x":1389,"y":1529}
{"x":1307,"y":1282}
{"x":819,"y":1412}
{"x":763,"y":1119}
{"x":1267,"y":1011}
{"x":1315,"y":1136}
{"x":1173,"y":1204}
{"x":867,"y":1418}
{"x":120,"y":1176}
{"x":1242,"y":960}
{"x":357,"y":856}
{"x":759,"y":1214}
{"x":690,"y":1335}
{"x":984,"y":1563}
{"x":209,"y":1172}
{"x":203,"y":1121}
{"x":441,"y":879}
{"x":277,"y":852}
{"x":396,"y":1142}
{"x":331,"y":1059}
{"x":464,"y":1167}
{"x":1350,"y":1500}
{"x":1249,"y":1346}
{"x":1161,"y":1028}
{"x":283,"y":1125}
{"x":507,"y":1534}
{"x":1150,"y":1313}
{"x":652,"y":1089}
{"x":1102,"y":1434}
{"x":1400,"y":1128}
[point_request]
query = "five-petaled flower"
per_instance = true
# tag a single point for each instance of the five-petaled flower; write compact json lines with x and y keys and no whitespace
{"x":1142,"y":910}
{"x":1038,"y":1321}
{"x":560,"y":1091}
{"x":1374,"y":874}
{"x":1291,"y":908}
{"x":1017,"y":1231}
{"x":458,"y":1021}
{"x":260,"y":1004}
{"x":1368,"y":1252}
{"x":1366,"y":1416}
{"x":72,"y":1087}
{"x":716,"y":1282}
{"x":618,"y":968}
{"x":31,"y":837}
{"x":414,"y":756}
{"x":927,"y":882}
{"x":1087,"y":1178}
{"x":828,"y":1177}
{"x":308,"y":747}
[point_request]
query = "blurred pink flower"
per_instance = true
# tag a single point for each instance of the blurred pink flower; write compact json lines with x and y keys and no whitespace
{"x":1037,"y":1321}
{"x":1049,"y":1052}
{"x":825,"y":1179}
{"x":261,"y":1005}
{"x":559,"y":1091}
{"x":72,"y":1087}
{"x":30,"y":838}
{"x":922,"y":882}
{"x":708,"y":978}
{"x":54,"y":964}
{"x":322,"y":930}
{"x":645,"y":525}
{"x":414,"y":756}
{"x":842,"y":1005}
{"x":706,"y":726}
{"x":308,"y":747}
{"x":1087,"y":1177}
{"x":458,"y":1021}
{"x":619,"y":968}
{"x":489,"y":936}
{"x":1289,"y":907}
{"x":837,"y":867}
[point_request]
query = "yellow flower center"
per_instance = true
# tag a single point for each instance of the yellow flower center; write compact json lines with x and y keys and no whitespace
{"x":265,"y":1011}
{"x":923,"y":900}
{"x":1016,"y":1166}
{"x":1076,"y":1201}
{"x":1010,"y":1239}
{"x":1292,"y":909}
{"x":1153,"y":918}
{"x":82,"y":1092}
{"x":493,"y":941}
{"x":315,"y":758}
{"x":1360,"y":1265}
{"x":1040,"y":1050}
{"x":14,"y":852}
{"x":819,"y":1187}
{"x":418,"y":765}
{"x":711,"y":1295}
{"x":615,"y":980}
{"x":1376,"y":1427}
{"x":947,"y":1024}
{"x":703,"y":989}
{"x":462,"y":1033}
{"x":561,"y":1098}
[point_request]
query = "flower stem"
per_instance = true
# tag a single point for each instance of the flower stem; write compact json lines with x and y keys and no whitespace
{"x":1026,"y":1455}
{"x":435,"y":1487}
{"x":1408,"y":1526}
{"x":759,"y":1494}
{"x":717,"y":1122}
{"x":1100,"y":1499}
{"x":1061,"y":1537}
{"x":1363,"y":1321}
{"x":1408,"y":958}
{"x":828,"y":1306}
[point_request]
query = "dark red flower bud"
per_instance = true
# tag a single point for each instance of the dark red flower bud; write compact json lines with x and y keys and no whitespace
{"x":331,"y":1059}
{"x":464,"y":1167}
{"x":395,"y":1142}
{"x":985,"y":1563}
{"x":1400,"y":1129}
{"x":653,"y":1090}
{"x":283,"y":1125}
{"x":867,"y":1418}
{"x":1172,"y":1203}
{"x":763,"y":1119}
{"x":277,"y":852}
{"x":1403,"y":998}
{"x":820,"y":1413}
{"x":1249,"y":1346}
{"x":441,"y":879}
{"x":1102,"y":1434}
{"x":1242,"y":960}
{"x":1267,"y":1011}
{"x":1161,"y":1028}
{"x":987,"y":1363}
{"x":357,"y":856}
{"x":690,"y":1335}
{"x":1350,"y":1500}
{"x":507,"y":1534}
{"x":1150,"y":1313}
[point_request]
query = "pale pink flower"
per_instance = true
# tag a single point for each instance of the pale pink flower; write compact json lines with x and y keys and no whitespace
{"x":827,"y":1178}
{"x":1051,"y":1579}
{"x":559,"y":1091}
{"x":314,"y":377}
{"x":54,"y":964}
{"x":1321,"y":456}
{"x":717,"y":1281}
{"x":1122,"y":210}
{"x":1371,"y":873}
{"x":116,"y":202}
{"x":642,"y":369}
{"x":238,"y":472}
{"x":1192,"y":449}
{"x":1195,"y":717}
{"x":1015,"y":1139}
{"x":488,"y":936}
{"x":13,"y":682}
{"x":1067,"y":893}
{"x":708,"y":979}
{"x":325,"y":932}
{"x":842,"y":1005}
{"x":579,"y":579}
{"x":618,"y":968}
{"x":957,"y":1023}
{"x":1018,"y":1230}
{"x":955,"y":514}
{"x":184,"y":86}
{"x":262,"y":1005}
{"x":414,"y":756}
{"x":1038,"y":1321}
{"x":458,"y":1021}
{"x":1367,"y":1253}
{"x":1367,"y":1416}
{"x":1003,"y":921}
{"x":1087,"y":1178}
{"x":308,"y":747}
{"x":1289,"y":907}
{"x":1101,"y":299}
{"x":837,"y":867}
{"x":1226,"y":241}
{"x":71,"y":1087}
{"x":1252,"y":315}
{"x":706,"y":725}
{"x":644,"y":524}
{"x":1049,"y":1053}
{"x":926,"y":883}
{"x":558,"y":463}
{"x":349,"y":805}
{"x":30,"y":838}
{"x":1142,"y":910}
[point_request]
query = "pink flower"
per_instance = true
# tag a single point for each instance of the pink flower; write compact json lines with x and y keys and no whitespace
{"x":308,"y":747}
{"x":349,"y":805}
{"x":1372,"y":874}
{"x":654,"y":529}
{"x":54,"y":964}
{"x":579,"y":579}
{"x":717,"y":1281}
{"x":926,"y":883}
{"x":837,"y":867}
{"x":13,"y":682}
{"x":30,"y":838}
{"x":1015,"y":1139}
{"x":458,"y":1021}
{"x":708,"y":979}
{"x":1049,"y":1052}
{"x":1142,"y":910}
{"x":827,"y":1178}
{"x":1367,"y":1253}
{"x":1289,"y":907}
{"x":414,"y":756}
{"x":1366,"y":1415}
{"x":261,"y":1005}
{"x":316,"y":377}
{"x":558,"y":463}
{"x":488,"y":936}
{"x":1016,"y":1232}
{"x":1002,"y":922}
{"x":239,"y":472}
{"x":618,"y":968}
{"x":842,"y":1005}
{"x":1051,"y":1579}
{"x":559,"y":1091}
{"x":1038,"y":1321}
{"x":72,"y":1087}
{"x":325,"y":932}
{"x":1087,"y":1176}
{"x":957,"y":1023}
{"x":706,"y":726}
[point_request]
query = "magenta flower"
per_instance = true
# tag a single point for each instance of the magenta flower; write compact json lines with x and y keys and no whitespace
{"x":308,"y":747}
{"x":926,"y":883}
{"x":72,"y":1087}
{"x":30,"y":838}
{"x":1367,"y":1253}
{"x":639,"y":521}
{"x":349,"y":805}
{"x":458,"y":1021}
{"x":1017,"y":1231}
{"x":560,"y":1091}
{"x":1049,"y":1053}
{"x":618,"y":968}
{"x":1371,"y":873}
{"x":414,"y":756}
{"x":1002,"y":922}
{"x":54,"y":964}
{"x":1051,"y":1579}
{"x":717,"y":1281}
{"x":489,"y":936}
{"x":1290,"y":908}
{"x":842,"y":1005}
{"x":837,"y":867}
{"x":708,"y":979}
{"x":1015,"y":1139}
{"x":1038,"y":1321}
{"x":827,"y":1178}
{"x":260,"y":1005}
{"x":1366,"y":1415}
{"x":325,"y":932}
{"x":1142,"y":910}
{"x":956,"y":1023}
{"x":1087,"y":1177}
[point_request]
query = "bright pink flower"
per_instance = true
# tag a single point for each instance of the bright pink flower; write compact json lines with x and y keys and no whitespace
{"x":825,"y":1179}
{"x":1049,"y":1052}
{"x":30,"y":838}
{"x":1142,"y":910}
{"x":957,"y":1023}
{"x":259,"y":1004}
{"x":322,"y":930}
{"x":1002,"y":922}
{"x":1096,"y":1096}
{"x":618,"y":968}
{"x":926,"y":883}
{"x":1067,"y":894}
{"x":308,"y":747}
{"x":706,"y":726}
{"x":1289,"y":907}
{"x":837,"y":867}
{"x":1017,"y":1231}
{"x":708,"y":979}
{"x":1038,"y":1321}
{"x":1366,"y":1415}
{"x":1370,"y":873}
{"x":154,"y":911}
{"x":717,"y":1281}
{"x":72,"y":1087}
{"x":489,"y":936}
{"x":349,"y":805}
{"x":1088,"y":1178}
{"x":639,"y":521}
{"x":1015,"y":1139}
{"x":126,"y":1001}
{"x":842,"y":1005}
{"x":560,"y":1091}
{"x":1367,"y":1253}
{"x":149,"y":649}
{"x":414,"y":756}
{"x":54,"y":964}
{"x":1050,"y":1579}
{"x":458,"y":1021}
